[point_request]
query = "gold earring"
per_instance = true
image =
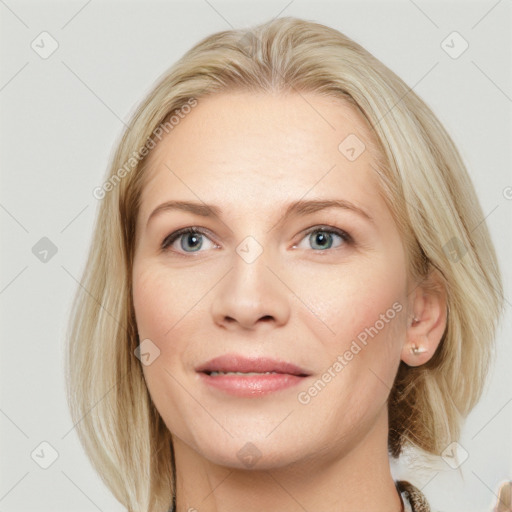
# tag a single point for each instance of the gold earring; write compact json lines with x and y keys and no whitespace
{"x":418,"y":350}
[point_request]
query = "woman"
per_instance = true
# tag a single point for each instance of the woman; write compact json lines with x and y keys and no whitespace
{"x":284,"y":287}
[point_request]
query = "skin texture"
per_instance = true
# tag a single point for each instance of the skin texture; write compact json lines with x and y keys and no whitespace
{"x":302,"y":300}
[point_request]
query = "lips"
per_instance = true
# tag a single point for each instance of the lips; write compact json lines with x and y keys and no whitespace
{"x":233,"y":363}
{"x":245,"y":377}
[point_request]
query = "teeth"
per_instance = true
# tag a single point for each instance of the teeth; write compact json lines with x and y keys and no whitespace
{"x":214,"y":374}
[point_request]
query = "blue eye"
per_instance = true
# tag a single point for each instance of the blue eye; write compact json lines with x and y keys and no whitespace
{"x":322,"y":237}
{"x":192,"y":239}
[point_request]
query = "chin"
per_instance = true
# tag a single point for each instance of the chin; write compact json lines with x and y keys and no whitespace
{"x":248,"y":452}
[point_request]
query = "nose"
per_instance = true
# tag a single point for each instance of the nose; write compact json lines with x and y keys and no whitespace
{"x":250,"y":295}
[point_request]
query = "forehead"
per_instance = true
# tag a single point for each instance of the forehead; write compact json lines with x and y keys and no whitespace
{"x":259,"y":149}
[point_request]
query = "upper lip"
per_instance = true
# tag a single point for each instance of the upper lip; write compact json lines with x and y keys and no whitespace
{"x":239,"y":363}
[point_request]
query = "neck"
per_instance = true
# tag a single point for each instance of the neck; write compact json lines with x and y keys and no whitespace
{"x":359,"y":479}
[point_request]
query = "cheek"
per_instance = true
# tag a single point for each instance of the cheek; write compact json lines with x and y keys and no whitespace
{"x":158,"y":307}
{"x":352,"y":301}
{"x":169,"y":311}
{"x":148,"y":300}
{"x":366,"y":312}
{"x":364,"y":307}
{"x":371,"y":307}
{"x":160,"y":300}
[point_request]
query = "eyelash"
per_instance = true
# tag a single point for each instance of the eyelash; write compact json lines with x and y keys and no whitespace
{"x":170,"y":239}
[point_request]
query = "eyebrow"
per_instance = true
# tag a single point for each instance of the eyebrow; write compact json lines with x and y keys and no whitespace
{"x":298,"y":208}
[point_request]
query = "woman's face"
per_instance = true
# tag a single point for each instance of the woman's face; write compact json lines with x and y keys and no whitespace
{"x":321,"y":288}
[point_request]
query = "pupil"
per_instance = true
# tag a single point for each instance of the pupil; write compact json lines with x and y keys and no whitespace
{"x":195,"y":240}
{"x":321,"y":237}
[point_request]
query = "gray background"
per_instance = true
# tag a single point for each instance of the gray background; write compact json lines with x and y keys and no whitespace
{"x":60,"y":118}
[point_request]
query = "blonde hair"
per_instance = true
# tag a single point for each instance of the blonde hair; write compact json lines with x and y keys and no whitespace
{"x":428,"y":192}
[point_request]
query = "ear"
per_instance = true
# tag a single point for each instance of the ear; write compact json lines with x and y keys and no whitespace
{"x":427,"y":322}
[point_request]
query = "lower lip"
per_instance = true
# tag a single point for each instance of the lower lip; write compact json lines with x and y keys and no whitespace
{"x":251,"y":385}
